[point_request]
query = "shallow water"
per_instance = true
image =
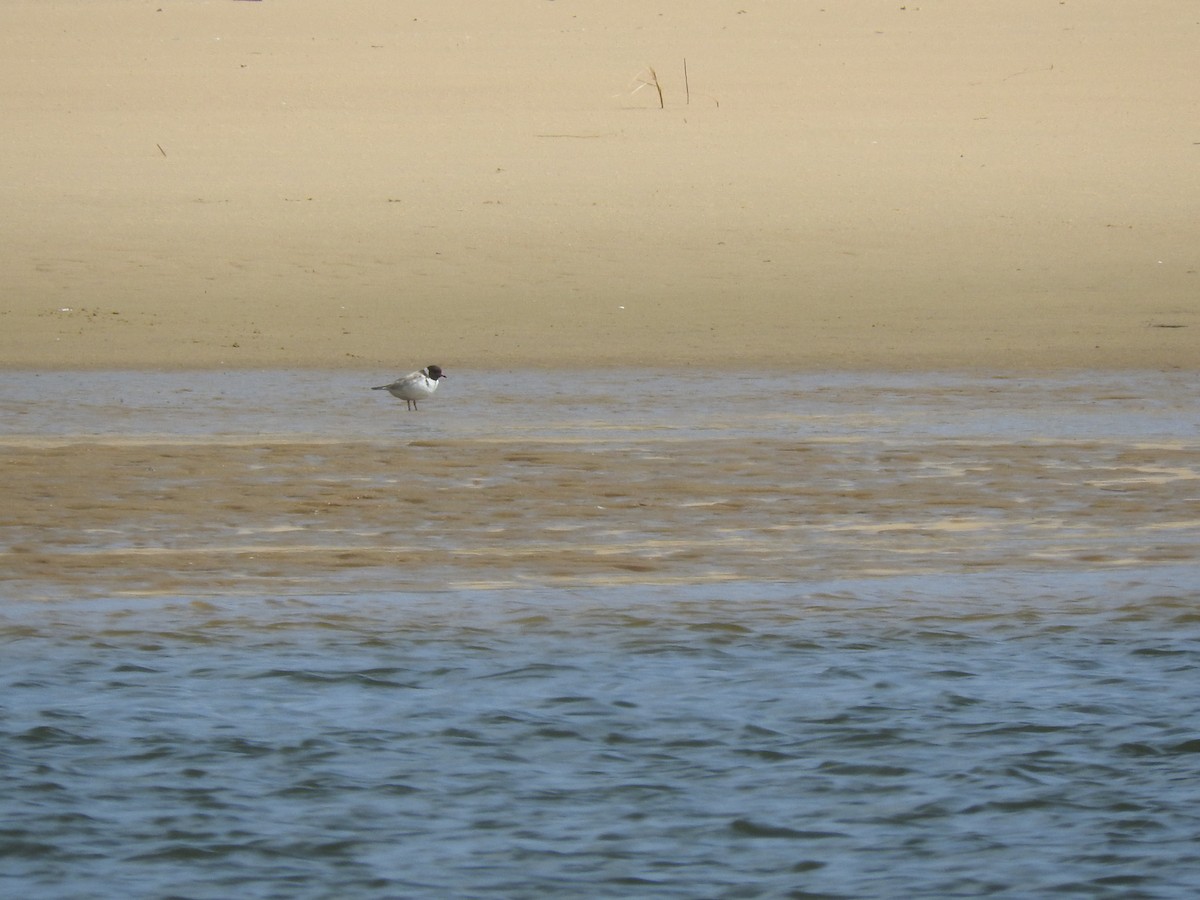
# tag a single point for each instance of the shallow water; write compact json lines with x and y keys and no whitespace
{"x":605,"y":634}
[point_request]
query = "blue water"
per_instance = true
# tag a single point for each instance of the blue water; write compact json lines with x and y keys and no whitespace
{"x":1016,"y":725}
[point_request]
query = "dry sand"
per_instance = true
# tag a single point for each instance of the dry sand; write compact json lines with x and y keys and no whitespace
{"x":377,"y":184}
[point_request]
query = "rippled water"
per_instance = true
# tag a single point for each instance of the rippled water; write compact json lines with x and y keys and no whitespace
{"x":604,"y":635}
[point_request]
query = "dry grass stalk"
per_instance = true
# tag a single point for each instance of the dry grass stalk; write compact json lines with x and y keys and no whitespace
{"x":650,"y":78}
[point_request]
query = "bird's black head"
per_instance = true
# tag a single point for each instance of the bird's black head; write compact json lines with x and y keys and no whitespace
{"x":435,"y":372}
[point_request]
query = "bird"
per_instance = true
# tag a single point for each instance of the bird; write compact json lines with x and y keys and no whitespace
{"x":414,"y":386}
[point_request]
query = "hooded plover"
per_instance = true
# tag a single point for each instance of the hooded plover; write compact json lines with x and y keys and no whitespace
{"x":414,"y":386}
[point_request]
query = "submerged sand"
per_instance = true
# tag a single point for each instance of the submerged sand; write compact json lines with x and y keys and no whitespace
{"x":203,"y":484}
{"x":288,"y":518}
{"x":380,"y":185}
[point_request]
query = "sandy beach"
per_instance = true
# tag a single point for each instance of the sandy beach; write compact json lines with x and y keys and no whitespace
{"x":843,"y":540}
{"x":378,"y":185}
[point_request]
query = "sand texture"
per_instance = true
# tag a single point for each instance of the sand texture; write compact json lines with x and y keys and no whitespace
{"x":310,"y":518}
{"x":380,"y":184}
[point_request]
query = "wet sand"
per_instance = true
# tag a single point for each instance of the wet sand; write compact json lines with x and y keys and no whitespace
{"x":284,"y":519}
{"x":372,"y":185}
{"x":780,"y":481}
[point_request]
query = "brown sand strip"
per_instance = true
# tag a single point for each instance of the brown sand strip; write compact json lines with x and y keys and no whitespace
{"x":95,"y":518}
